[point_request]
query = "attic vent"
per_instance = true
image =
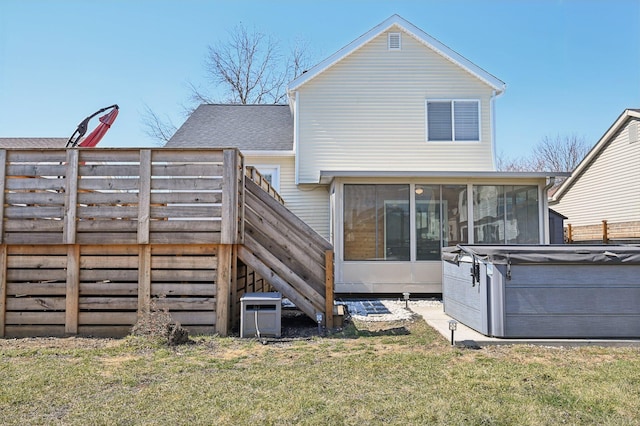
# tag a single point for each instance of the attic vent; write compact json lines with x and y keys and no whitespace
{"x":633,"y":132}
{"x":394,"y":41}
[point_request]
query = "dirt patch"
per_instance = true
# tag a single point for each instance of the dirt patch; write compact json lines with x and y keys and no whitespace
{"x":296,"y":324}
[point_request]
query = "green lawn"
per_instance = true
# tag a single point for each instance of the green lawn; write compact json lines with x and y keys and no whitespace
{"x":401,"y":373}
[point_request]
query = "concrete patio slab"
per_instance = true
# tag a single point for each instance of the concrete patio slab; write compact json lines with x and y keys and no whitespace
{"x":434,"y":315}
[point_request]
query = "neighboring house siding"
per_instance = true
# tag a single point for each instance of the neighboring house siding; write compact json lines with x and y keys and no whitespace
{"x":609,"y":189}
{"x":310,"y":203}
{"x":367,"y":112}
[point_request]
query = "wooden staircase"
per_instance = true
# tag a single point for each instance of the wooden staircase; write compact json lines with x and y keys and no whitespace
{"x":285,"y":251}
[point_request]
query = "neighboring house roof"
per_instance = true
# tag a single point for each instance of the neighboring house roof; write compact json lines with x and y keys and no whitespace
{"x":33,"y":142}
{"x":246,"y":127}
{"x":553,"y":212}
{"x":396,"y":21}
{"x":594,"y":152}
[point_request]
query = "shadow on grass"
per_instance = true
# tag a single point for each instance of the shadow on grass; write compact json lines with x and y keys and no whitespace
{"x":374,"y":329}
{"x":296,"y":325}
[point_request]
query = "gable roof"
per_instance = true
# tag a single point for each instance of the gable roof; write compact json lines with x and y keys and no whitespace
{"x":594,"y":152}
{"x":396,"y":21}
{"x":33,"y":142}
{"x":246,"y":127}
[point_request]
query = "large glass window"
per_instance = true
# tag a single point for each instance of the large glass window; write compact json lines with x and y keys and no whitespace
{"x":523,"y":214}
{"x":377,"y":219}
{"x":505,"y":214}
{"x":428,"y":228}
{"x":376,"y":222}
{"x":455,"y":211}
{"x":441,"y":219}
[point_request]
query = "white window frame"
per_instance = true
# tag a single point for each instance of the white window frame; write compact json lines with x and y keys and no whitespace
{"x":273,"y":170}
{"x":453,"y":123}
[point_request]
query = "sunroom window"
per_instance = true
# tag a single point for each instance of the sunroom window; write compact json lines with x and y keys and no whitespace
{"x":453,"y":120}
{"x":441,"y":218}
{"x":505,"y":214}
{"x":376,"y":222}
{"x":377,"y":219}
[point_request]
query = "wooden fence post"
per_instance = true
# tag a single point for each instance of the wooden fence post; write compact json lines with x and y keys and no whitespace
{"x":144,"y":279}
{"x":73,"y":289}
{"x":328,"y":262}
{"x":3,"y":288}
{"x":223,"y":286}
{"x":240,"y":202}
{"x":229,"y":223}
{"x":144,"y":196}
{"x":605,"y":234}
{"x":234,"y":309}
{"x":3,"y":181}
{"x":71,"y":197}
{"x":569,"y":234}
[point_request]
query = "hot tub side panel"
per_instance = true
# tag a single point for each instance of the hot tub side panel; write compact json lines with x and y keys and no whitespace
{"x":573,"y":301}
{"x":462,"y":300}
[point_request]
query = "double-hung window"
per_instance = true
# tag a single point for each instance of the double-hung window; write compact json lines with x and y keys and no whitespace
{"x":453,"y":120}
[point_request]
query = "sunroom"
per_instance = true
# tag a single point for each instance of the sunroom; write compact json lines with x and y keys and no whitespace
{"x":388,"y":228}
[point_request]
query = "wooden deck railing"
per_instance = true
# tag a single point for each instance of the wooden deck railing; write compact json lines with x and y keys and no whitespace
{"x":285,"y":251}
{"x":116,"y":196}
{"x":253,"y":174}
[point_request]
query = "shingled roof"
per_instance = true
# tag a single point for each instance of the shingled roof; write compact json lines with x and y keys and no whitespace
{"x":246,"y":127}
{"x":33,"y":142}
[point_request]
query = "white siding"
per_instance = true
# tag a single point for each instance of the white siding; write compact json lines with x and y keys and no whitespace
{"x":309,"y":203}
{"x":367,"y":112}
{"x":609,"y":188}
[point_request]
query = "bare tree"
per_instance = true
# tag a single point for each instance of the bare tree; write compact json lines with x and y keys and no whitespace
{"x":507,"y":164}
{"x":559,"y":154}
{"x":247,"y":68}
{"x":156,"y":128}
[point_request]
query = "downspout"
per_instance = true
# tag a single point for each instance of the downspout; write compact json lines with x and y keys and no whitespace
{"x":545,"y":208}
{"x":492,"y":102}
{"x":296,"y":130}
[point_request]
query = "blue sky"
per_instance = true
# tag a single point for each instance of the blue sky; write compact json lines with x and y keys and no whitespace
{"x":571,"y":67}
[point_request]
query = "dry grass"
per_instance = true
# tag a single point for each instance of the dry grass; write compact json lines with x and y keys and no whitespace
{"x":400,"y":373}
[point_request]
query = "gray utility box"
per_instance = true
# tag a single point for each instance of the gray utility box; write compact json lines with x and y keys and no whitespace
{"x":263,"y":310}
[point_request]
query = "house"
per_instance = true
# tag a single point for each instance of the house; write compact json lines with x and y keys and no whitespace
{"x":33,"y":142}
{"x":387,"y":149}
{"x":604,"y":186}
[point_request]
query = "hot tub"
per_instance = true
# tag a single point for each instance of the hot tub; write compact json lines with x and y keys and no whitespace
{"x":544,"y":291}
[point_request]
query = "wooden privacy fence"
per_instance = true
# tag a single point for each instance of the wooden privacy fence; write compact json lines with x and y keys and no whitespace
{"x":89,"y":237}
{"x":99,"y":290}
{"x":603,"y":232}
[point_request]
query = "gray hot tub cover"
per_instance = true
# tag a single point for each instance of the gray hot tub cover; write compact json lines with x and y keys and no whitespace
{"x":518,"y":254}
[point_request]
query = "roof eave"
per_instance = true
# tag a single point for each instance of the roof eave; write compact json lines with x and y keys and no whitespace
{"x":327,"y":176}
